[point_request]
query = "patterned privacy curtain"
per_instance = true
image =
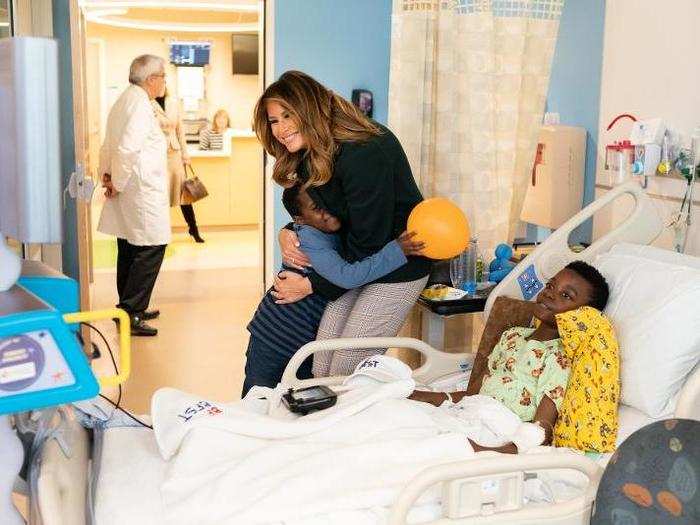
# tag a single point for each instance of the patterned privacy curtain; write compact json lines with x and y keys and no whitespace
{"x":466,"y":95}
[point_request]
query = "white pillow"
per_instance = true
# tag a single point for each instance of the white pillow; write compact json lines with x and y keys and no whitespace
{"x":655,"y":309}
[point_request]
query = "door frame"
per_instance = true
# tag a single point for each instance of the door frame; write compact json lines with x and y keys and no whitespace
{"x":267,"y":76}
{"x":268,"y":7}
{"x":80,"y":130}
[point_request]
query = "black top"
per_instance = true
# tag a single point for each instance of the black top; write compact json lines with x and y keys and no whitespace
{"x":372,"y":192}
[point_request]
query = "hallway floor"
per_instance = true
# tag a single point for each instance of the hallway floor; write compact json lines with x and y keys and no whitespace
{"x":206,"y":293}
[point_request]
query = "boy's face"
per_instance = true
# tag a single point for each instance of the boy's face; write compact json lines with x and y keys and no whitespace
{"x":566,"y":291}
{"x":316,"y":217}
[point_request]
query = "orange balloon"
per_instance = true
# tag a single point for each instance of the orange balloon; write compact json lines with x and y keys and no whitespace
{"x":441,"y":225}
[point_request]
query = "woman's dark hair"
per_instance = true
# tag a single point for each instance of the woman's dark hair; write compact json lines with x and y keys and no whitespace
{"x":290,"y":200}
{"x":599,"y":286}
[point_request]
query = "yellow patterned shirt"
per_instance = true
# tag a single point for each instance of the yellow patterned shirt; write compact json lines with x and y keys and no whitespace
{"x":588,"y":414}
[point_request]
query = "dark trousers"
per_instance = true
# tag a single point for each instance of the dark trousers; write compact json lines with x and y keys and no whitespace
{"x":137,"y":270}
{"x":264,"y":365}
{"x":188,"y":214}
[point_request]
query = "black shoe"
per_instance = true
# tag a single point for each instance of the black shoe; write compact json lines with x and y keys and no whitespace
{"x":194,"y":232}
{"x":140,"y":328}
{"x":150,"y":314}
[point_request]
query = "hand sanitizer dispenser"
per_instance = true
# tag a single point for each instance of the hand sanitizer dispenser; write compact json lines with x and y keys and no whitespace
{"x":647,"y":137}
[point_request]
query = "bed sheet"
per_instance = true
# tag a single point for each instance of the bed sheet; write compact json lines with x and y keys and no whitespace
{"x":132,"y":471}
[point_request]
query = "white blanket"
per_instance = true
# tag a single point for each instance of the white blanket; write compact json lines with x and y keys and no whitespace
{"x":250,"y":462}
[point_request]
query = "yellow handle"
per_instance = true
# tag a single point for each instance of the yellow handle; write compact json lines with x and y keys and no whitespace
{"x":124,"y":340}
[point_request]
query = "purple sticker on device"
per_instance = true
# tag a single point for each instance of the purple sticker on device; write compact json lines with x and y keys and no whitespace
{"x":21,"y":362}
{"x":530,"y":285}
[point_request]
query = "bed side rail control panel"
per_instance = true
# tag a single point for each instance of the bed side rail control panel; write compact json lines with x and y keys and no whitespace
{"x":482,"y":495}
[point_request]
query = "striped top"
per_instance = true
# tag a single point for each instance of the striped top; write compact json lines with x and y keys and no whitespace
{"x":209,"y":139}
{"x":287,"y":327}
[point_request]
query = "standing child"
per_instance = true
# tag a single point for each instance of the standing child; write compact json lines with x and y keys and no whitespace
{"x":277,"y":331}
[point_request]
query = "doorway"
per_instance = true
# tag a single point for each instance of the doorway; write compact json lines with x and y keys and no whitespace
{"x":206,"y":292}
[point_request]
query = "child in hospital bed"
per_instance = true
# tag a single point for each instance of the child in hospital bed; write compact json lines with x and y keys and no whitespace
{"x":277,"y":331}
{"x":528,"y":369}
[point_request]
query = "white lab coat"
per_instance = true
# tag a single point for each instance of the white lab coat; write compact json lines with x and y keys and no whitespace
{"x":135,"y":153}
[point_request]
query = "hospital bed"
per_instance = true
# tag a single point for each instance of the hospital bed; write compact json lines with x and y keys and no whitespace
{"x":484,"y":490}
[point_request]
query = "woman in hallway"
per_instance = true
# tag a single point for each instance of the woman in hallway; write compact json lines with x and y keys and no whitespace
{"x":213,"y":136}
{"x":167,"y":112}
{"x":357,"y":170}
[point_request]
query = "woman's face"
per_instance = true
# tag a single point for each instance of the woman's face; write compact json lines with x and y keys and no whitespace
{"x":221,"y":122}
{"x":284,"y":127}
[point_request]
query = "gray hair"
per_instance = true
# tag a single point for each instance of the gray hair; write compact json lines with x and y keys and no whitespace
{"x":143,"y":67}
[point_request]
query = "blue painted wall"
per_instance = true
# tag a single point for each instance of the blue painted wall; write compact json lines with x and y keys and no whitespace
{"x":574,"y":88}
{"x":344,"y":45}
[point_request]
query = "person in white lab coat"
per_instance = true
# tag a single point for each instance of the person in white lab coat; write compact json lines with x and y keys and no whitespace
{"x":133,"y":166}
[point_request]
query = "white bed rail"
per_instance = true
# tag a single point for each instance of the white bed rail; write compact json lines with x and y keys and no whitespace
{"x":574,"y":511}
{"x":642,"y":226}
{"x":436,"y":363}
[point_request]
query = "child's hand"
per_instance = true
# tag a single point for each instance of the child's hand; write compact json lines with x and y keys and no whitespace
{"x":408,"y":245}
{"x":291,"y":255}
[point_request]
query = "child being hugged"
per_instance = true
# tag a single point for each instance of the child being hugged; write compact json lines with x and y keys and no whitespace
{"x":278,"y":330}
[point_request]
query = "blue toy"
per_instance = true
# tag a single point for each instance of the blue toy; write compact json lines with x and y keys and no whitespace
{"x":501,"y":265}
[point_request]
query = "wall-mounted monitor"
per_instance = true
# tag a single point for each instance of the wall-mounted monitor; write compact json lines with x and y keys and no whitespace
{"x":245,"y":54}
{"x":189,"y":53}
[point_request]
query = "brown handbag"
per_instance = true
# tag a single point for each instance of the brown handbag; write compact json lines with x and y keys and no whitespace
{"x":193,"y":189}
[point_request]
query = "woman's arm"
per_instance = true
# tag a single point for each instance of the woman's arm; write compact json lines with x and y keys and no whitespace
{"x":292,"y":256}
{"x":291,"y":287}
{"x":180,"y":132}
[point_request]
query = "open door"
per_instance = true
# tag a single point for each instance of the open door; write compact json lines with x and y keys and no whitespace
{"x":82,"y":152}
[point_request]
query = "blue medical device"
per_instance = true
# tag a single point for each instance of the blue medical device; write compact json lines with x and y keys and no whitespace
{"x":41,"y":361}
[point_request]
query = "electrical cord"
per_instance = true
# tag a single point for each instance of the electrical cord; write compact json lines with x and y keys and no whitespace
{"x":116,"y":370}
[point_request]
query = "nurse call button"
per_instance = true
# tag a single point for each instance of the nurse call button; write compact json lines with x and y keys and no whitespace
{"x":21,"y":363}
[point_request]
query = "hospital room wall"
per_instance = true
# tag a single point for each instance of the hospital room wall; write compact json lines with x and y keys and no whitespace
{"x":574,"y":87}
{"x":235,"y":93}
{"x":344,"y":45}
{"x":650,"y":70}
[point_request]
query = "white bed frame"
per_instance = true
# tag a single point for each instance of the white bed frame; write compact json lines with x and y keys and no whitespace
{"x":468,"y":487}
